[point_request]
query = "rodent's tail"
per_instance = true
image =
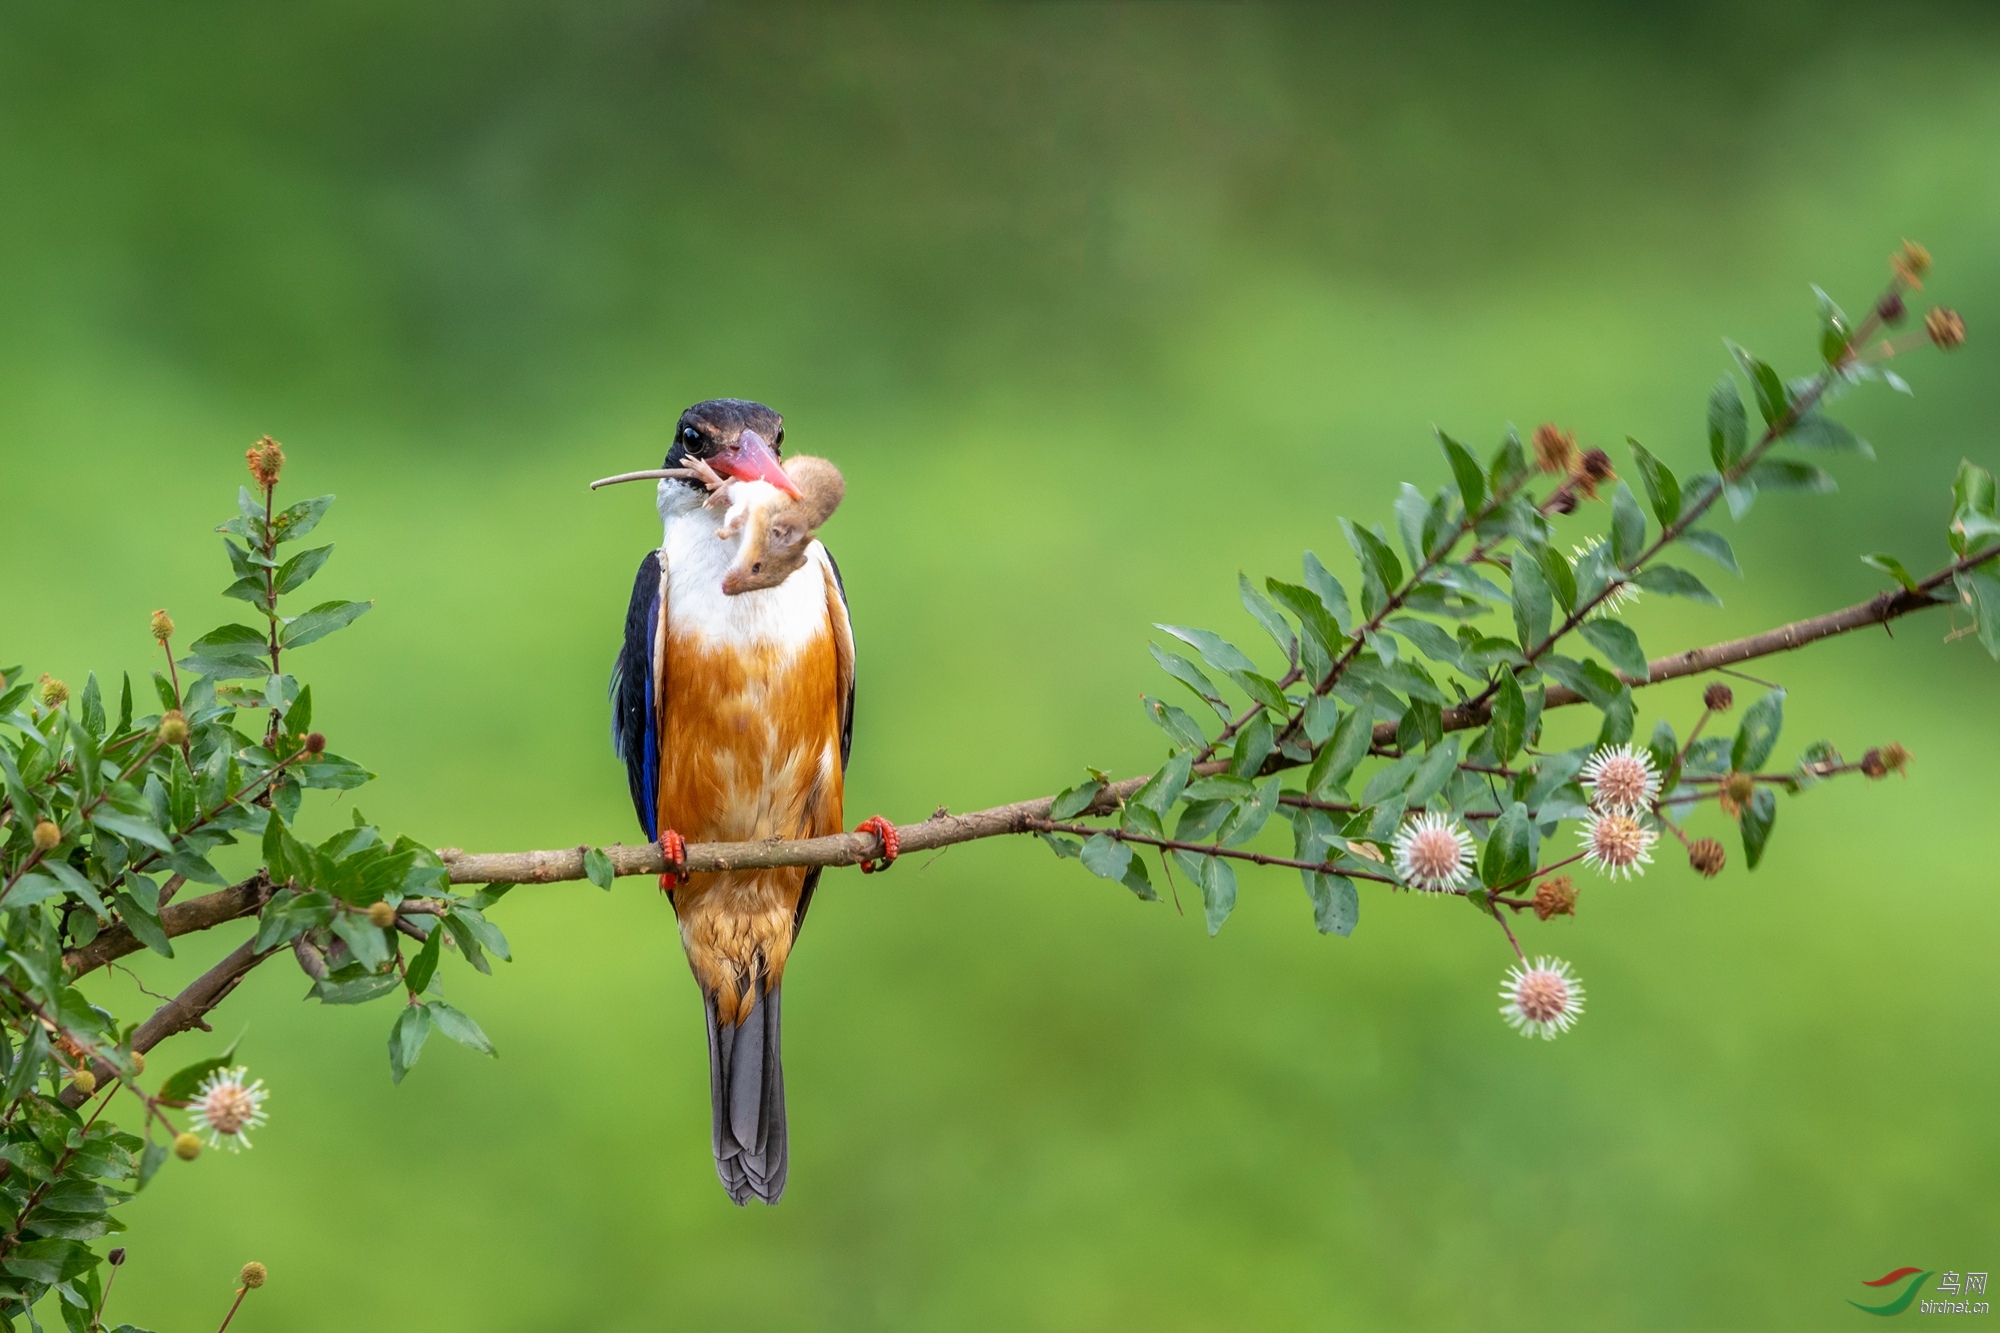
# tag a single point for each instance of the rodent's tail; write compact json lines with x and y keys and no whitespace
{"x":746,"y":1081}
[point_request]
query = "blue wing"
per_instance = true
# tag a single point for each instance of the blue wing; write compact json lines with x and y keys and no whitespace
{"x":635,"y":732}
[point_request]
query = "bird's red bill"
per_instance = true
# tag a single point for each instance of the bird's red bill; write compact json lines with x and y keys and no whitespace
{"x":750,"y":459}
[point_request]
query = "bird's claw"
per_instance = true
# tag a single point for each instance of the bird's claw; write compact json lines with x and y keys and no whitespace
{"x":885,"y":833}
{"x":674,"y":851}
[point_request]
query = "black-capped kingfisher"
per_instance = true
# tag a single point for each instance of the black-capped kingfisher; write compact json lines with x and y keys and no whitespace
{"x":734,"y":714}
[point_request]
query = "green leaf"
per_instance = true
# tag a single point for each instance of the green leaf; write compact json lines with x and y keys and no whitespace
{"x":1662,"y":489}
{"x":1381,"y":572}
{"x":301,"y":518}
{"x":406,"y":1039}
{"x":1215,"y":650}
{"x":145,"y":927}
{"x":1619,"y":645}
{"x":1728,"y":426}
{"x":1561,"y":575}
{"x":1330,"y":593}
{"x":1249,"y":817}
{"x":133,"y":827}
{"x":1510,"y":464}
{"x":424,"y":965}
{"x":1318,"y":623}
{"x":1336,"y":906}
{"x":1814,"y":431}
{"x":293,"y":574}
{"x":1253,"y":746}
{"x":1788,"y":474}
{"x":1260,"y":608}
{"x":1533,"y":604}
{"x":362,"y":989}
{"x":1740,"y":494}
{"x":459,"y":1027}
{"x":596,"y":868}
{"x":1893,"y":567}
{"x":1713,"y":545}
{"x":1218,"y":886}
{"x":1758,"y":733}
{"x":1507,"y":856}
{"x":1509,"y":727}
{"x":1756,"y":821}
{"x":1075,"y":800}
{"x":1465,"y":471}
{"x":1764,"y":382}
{"x":1106,"y":857}
{"x":1181,"y":729}
{"x":1339,"y":757}
{"x":1165,"y":786}
{"x":1672,"y":581}
{"x":1628,"y":526}
{"x":319,"y":622}
{"x":1410,"y":510}
{"x":1190,"y":675}
{"x":187,"y":1081}
{"x":235,"y":644}
{"x":1984,"y":594}
{"x":1437,"y":768}
{"x":151,"y":1160}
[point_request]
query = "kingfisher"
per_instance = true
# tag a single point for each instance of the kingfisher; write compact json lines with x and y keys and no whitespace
{"x":734,"y":714}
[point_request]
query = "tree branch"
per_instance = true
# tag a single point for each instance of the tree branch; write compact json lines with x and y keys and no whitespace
{"x":944,"y":830}
{"x":211,"y":909}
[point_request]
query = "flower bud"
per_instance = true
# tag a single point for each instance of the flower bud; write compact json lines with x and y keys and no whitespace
{"x":1890,"y":309}
{"x":1737,"y":789}
{"x":381,"y":914}
{"x":1718,"y":698}
{"x":1911,"y":263}
{"x":84,"y":1081}
{"x":253,"y":1275}
{"x":54,"y":693}
{"x":1555,"y":896}
{"x":116,"y":1257}
{"x":267,"y":460}
{"x":315,"y":743}
{"x":1555,"y":450}
{"x":163,"y":626}
{"x":138,"y":1062}
{"x":1593,"y":469}
{"x":47,"y":835}
{"x":187,"y":1147}
{"x":1707,"y":856}
{"x":1945,"y":327}
{"x":173,"y":727}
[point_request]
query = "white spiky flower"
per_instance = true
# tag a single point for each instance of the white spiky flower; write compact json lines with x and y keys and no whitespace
{"x":1623,"y":595}
{"x":1621,"y":778}
{"x":1542,"y":1000}
{"x":228,"y":1108}
{"x":1433,"y":853}
{"x":1618,"y":844}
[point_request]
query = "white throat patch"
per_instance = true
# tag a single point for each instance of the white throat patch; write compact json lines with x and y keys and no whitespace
{"x":790,"y":615}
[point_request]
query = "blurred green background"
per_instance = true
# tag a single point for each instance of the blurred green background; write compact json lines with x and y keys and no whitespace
{"x":1095,"y":306}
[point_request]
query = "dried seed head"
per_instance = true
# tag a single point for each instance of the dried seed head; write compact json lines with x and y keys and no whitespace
{"x":266,"y":459}
{"x":1890,"y":309}
{"x":1706,"y":855}
{"x":1718,"y":698}
{"x":1911,"y":263}
{"x":1872,"y":765}
{"x":187,"y":1147}
{"x":47,"y":835}
{"x":54,"y":693}
{"x":381,"y":915}
{"x":1895,"y":757}
{"x":1563,"y":502}
{"x":315,"y":743}
{"x":163,"y":626}
{"x":173,"y":727}
{"x":1555,"y":450}
{"x":68,"y":1046}
{"x":84,"y":1081}
{"x":1945,"y":327}
{"x":116,"y":1257}
{"x":253,"y":1275}
{"x":1555,"y":896}
{"x":1592,"y":470}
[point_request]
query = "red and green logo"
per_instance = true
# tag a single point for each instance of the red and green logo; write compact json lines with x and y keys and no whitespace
{"x":1902,"y":1302}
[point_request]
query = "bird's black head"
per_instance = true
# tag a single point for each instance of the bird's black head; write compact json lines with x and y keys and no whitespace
{"x":736,"y":437}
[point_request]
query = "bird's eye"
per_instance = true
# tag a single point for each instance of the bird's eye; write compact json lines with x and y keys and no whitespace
{"x":780,"y":438}
{"x":690,"y":434}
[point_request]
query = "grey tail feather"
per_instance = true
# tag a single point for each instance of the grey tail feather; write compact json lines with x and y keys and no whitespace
{"x":746,"y":1083}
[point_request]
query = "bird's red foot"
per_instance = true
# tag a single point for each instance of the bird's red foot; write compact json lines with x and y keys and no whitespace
{"x":674,"y":851}
{"x":892,"y":843}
